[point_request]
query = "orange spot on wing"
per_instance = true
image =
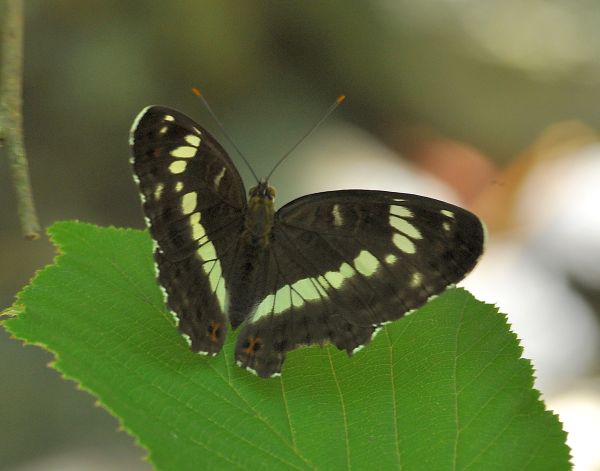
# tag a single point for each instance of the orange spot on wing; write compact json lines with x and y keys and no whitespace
{"x":214,"y":331}
{"x":254,"y":344}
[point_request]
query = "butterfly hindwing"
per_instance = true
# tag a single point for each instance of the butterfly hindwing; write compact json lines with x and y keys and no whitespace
{"x":346,"y":262}
{"x":194,"y":203}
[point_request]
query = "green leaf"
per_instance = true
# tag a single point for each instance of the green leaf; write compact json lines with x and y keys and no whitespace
{"x":444,"y":388}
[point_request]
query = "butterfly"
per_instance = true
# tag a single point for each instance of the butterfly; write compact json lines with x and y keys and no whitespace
{"x":330,"y":267}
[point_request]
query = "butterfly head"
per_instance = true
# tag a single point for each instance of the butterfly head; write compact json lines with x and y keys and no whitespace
{"x":262,"y":192}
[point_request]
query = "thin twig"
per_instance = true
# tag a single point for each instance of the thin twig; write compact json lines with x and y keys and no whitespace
{"x":11,"y":118}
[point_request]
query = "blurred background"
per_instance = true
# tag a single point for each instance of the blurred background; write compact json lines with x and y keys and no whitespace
{"x":490,"y":105}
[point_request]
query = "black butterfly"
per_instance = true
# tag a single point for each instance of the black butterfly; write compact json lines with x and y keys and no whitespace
{"x":327,"y":267}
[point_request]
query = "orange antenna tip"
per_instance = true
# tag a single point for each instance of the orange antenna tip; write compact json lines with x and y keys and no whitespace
{"x":340,"y":99}
{"x":196,"y":91}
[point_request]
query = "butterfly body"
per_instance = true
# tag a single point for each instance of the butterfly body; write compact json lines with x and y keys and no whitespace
{"x":330,"y":267}
{"x":260,"y":216}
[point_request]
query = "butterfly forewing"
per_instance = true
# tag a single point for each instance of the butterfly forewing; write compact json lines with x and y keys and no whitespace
{"x":194,"y":202}
{"x":349,"y":261}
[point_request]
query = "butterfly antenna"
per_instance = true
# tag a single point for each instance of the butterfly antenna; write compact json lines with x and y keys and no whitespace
{"x":338,"y":101}
{"x":196,"y":91}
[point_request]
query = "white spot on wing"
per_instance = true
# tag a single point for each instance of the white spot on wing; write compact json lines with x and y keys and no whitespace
{"x":178,"y":166}
{"x":221,"y":294}
{"x":307,"y":288}
{"x":251,"y":371}
{"x":404,"y":243}
{"x":192,"y":140}
{"x":198,"y":231}
{"x":184,"y":152}
{"x":162,"y":288}
{"x":215,"y":275}
{"x":207,"y":252}
{"x":447,"y":213}
{"x":188,"y":202}
{"x":282,"y":300}
{"x":334,"y":278}
{"x":175,"y":317}
{"x":168,"y":117}
{"x":365,"y":263}
{"x":338,"y":220}
{"x":212,"y":268}
{"x":405,"y":227}
{"x":187,"y":339}
{"x":158,"y":191}
{"x":400,"y":211}
{"x":265,"y":307}
{"x":219,"y":177}
{"x":376,"y":331}
{"x":178,"y":186}
{"x":416,"y":279}
{"x":390,"y":259}
{"x":296,"y":299}
{"x":357,"y":349}
{"x":346,"y":270}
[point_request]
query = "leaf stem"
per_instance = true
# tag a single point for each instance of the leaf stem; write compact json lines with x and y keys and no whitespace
{"x":11,"y":117}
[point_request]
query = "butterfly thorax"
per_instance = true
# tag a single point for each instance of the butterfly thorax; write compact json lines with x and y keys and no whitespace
{"x":260,"y":215}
